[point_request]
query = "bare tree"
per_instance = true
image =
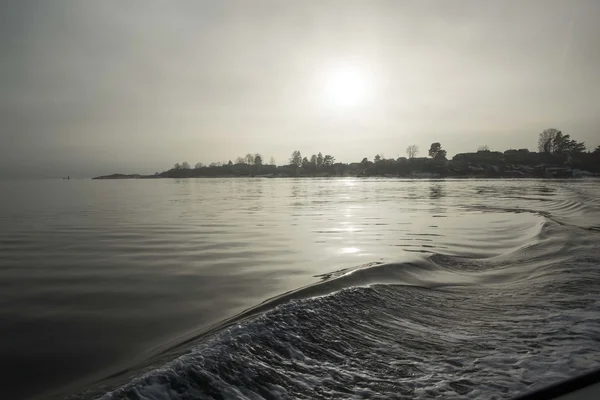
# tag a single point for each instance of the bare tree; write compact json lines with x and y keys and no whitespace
{"x":412,"y":151}
{"x":484,"y":147}
{"x":198,"y":165}
{"x":249,"y":159}
{"x":272,"y":161}
{"x":185,"y":165}
{"x":240,"y":160}
{"x":546,"y":140}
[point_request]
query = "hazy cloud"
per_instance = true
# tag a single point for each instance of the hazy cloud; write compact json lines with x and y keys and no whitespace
{"x":99,"y":87}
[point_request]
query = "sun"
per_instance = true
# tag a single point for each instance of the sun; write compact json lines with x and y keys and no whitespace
{"x":345,"y":86}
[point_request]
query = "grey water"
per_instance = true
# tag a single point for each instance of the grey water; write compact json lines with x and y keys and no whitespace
{"x":296,"y":288}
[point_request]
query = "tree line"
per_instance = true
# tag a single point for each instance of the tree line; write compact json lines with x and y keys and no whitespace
{"x":559,"y":147}
{"x":554,"y":141}
{"x":562,"y":149}
{"x":315,"y":162}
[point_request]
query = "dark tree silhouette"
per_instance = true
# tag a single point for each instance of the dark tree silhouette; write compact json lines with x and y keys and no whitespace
{"x":436,"y":152}
{"x":563,"y":145}
{"x":546,"y":139}
{"x":578,"y":147}
{"x":560,"y":143}
{"x":485,"y":147}
{"x":412,"y":151}
{"x":296,"y":158}
{"x":561,"y":152}
{"x":305,"y":163}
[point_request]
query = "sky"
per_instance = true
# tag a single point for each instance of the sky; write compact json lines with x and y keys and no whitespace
{"x":98,"y":87}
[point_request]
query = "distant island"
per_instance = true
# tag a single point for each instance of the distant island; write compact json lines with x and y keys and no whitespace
{"x":558,"y":156}
{"x":125,"y":176}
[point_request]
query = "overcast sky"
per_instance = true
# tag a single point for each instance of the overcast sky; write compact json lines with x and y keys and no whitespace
{"x":96,"y":87}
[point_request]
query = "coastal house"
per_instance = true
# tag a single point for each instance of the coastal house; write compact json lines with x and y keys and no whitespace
{"x":480,"y":158}
{"x":354,"y":167}
{"x":418,"y":161}
{"x":512,"y":152}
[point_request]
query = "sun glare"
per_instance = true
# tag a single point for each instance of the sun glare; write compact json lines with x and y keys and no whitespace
{"x":345,"y":87}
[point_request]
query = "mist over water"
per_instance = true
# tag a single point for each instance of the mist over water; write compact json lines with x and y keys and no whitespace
{"x":357,"y":288}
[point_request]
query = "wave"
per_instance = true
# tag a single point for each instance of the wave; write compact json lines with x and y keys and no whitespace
{"x":577,"y":205}
{"x":428,"y":328}
{"x":436,"y":325}
{"x":377,"y":342}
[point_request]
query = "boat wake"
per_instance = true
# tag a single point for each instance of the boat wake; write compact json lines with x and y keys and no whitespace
{"x":437,"y":325}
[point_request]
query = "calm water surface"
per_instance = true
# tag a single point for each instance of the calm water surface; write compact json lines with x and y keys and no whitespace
{"x":401,"y":289}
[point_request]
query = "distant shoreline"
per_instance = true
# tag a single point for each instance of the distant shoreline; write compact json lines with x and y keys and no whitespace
{"x":409,"y":177}
{"x":483,"y":164}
